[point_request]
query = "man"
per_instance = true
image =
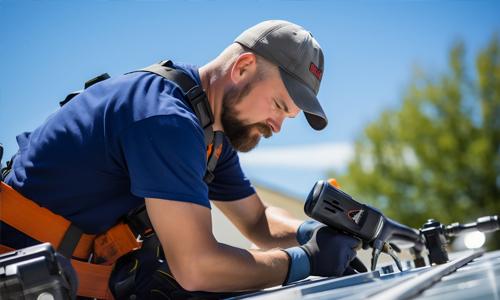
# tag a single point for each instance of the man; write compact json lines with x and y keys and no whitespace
{"x":135,"y":139}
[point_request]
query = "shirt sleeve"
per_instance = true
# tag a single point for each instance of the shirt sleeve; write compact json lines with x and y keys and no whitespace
{"x":230,"y":183}
{"x":165,"y":157}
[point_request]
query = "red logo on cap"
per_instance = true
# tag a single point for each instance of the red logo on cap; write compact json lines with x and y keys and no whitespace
{"x":317,"y":72}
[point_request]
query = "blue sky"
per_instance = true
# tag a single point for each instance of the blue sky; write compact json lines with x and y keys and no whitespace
{"x":49,"y":48}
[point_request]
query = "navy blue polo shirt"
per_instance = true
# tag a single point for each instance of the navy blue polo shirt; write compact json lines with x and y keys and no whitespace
{"x":119,"y":141}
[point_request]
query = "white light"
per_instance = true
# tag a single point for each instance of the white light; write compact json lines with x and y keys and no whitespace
{"x":474,"y":240}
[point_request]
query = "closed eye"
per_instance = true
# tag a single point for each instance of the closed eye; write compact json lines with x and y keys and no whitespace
{"x":282,"y":106}
{"x":277,"y":104}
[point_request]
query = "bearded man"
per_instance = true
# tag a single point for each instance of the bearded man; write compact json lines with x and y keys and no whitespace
{"x":140,"y":139}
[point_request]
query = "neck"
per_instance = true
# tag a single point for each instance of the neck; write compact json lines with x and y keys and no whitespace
{"x":212,"y":83}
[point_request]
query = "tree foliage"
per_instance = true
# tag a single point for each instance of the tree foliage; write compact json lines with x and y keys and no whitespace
{"x":438,"y":154}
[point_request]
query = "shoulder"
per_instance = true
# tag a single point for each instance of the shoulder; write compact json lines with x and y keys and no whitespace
{"x":165,"y":158}
{"x":148,"y":82}
{"x":176,"y":128}
{"x":142,"y":95}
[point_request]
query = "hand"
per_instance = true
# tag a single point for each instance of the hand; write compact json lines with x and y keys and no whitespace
{"x":330,"y":252}
{"x":306,"y":229}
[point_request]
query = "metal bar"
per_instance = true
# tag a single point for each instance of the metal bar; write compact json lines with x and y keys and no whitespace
{"x":414,"y":286}
{"x":301,"y":289}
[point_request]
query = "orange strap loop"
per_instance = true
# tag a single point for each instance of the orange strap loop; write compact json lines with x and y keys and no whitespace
{"x":114,"y":243}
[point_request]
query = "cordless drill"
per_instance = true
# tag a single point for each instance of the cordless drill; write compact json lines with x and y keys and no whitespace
{"x":329,"y":205}
{"x":333,"y":207}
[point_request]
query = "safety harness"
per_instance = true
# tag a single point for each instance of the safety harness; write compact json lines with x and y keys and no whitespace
{"x":94,"y":256}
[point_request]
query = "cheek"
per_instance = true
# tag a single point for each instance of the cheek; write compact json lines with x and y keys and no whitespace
{"x":254,"y":108}
{"x":263,"y":103}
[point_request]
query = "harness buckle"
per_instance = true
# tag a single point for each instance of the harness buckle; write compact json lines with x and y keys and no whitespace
{"x":200,"y":104}
{"x":209,"y":176}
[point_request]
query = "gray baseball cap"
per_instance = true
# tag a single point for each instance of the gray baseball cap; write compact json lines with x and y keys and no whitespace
{"x":299,"y":58}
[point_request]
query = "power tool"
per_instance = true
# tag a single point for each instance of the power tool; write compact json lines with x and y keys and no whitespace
{"x":329,"y":205}
{"x":437,"y":235}
{"x":36,"y":272}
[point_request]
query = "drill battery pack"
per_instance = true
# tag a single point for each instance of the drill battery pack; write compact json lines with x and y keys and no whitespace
{"x":36,"y":272}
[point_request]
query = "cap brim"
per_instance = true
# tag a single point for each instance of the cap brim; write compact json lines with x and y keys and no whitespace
{"x":306,"y":100}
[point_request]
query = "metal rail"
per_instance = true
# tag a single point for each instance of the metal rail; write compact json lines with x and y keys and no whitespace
{"x":414,"y":286}
{"x":299,"y":290}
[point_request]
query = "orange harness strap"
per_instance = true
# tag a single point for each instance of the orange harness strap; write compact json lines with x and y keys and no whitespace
{"x":93,"y":280}
{"x":27,"y":217}
{"x":5,"y":249}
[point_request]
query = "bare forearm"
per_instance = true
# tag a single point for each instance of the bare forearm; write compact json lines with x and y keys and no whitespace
{"x":276,"y":228}
{"x":199,"y":262}
{"x":226,"y":268}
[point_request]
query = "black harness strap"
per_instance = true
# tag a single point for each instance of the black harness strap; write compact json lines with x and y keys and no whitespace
{"x":70,"y":240}
{"x":138,"y":221}
{"x":201,"y":107}
{"x":1,"y":167}
{"x":197,"y":99}
{"x":88,"y":84}
{"x":213,"y":154}
{"x":192,"y":91}
{"x":4,"y":171}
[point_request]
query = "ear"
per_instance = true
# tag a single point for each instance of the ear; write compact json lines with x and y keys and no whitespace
{"x":244,"y":68}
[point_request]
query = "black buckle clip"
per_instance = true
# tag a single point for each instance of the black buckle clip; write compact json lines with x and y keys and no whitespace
{"x":199,"y":102}
{"x":209,"y":177}
{"x":138,"y":221}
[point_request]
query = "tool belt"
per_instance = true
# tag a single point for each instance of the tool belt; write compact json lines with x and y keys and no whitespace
{"x":93,"y":257}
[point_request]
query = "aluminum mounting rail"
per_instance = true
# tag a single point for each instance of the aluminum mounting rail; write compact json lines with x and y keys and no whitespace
{"x":414,"y":286}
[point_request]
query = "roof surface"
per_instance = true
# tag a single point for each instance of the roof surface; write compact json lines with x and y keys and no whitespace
{"x":469,"y":275}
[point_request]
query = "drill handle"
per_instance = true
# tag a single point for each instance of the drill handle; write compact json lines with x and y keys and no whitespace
{"x":401,"y":234}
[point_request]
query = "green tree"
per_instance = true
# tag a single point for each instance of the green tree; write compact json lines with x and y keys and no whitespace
{"x":438,"y":154}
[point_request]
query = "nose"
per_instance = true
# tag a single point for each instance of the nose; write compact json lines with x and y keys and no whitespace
{"x":276,"y":121}
{"x":275,"y":124}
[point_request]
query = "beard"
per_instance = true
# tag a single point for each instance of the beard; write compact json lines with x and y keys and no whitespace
{"x":242,"y":137}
